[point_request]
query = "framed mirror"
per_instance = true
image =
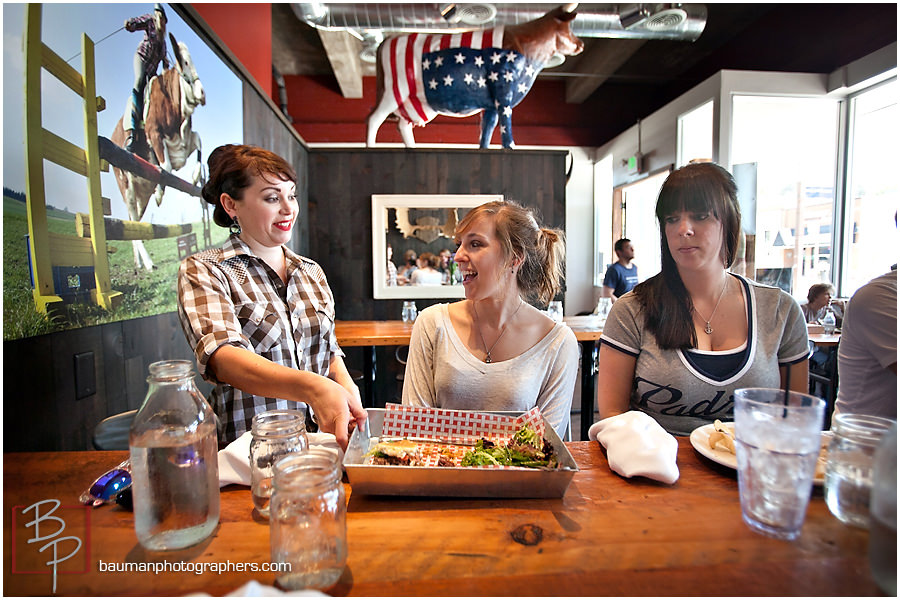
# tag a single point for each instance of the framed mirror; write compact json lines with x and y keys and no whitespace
{"x":416,"y":223}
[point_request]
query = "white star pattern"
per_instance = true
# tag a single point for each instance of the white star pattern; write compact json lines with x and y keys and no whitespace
{"x":495,"y":58}
{"x":529,"y":70}
{"x":522,"y":88}
{"x":508,"y":76}
{"x":460,"y":59}
{"x":511,"y":57}
{"x":432,"y":84}
{"x":448,"y":80}
{"x":469,"y":79}
{"x":493,"y":76}
{"x":481,"y":82}
{"x":479,"y":62}
{"x":439,"y":61}
{"x":503,"y":129}
{"x":426,"y":64}
{"x":507,"y":110}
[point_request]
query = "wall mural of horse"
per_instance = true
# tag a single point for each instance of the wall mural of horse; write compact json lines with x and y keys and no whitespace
{"x":420,"y":76}
{"x":168,"y":141}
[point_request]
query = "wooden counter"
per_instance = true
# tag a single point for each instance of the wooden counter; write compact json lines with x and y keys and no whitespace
{"x":608,"y":536}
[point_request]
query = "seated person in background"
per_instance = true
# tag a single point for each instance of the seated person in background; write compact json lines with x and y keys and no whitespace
{"x":444,"y":265}
{"x":678,"y":345}
{"x":405,"y":274}
{"x":391,"y":267}
{"x":621,"y":276}
{"x":427,"y":273}
{"x":494,"y":351}
{"x":817,"y":299}
{"x":867,"y":354}
{"x":260,"y":318}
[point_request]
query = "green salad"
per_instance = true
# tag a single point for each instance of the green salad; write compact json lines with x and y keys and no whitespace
{"x":525,"y":449}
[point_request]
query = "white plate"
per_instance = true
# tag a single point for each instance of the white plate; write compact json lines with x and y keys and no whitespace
{"x":700,"y":442}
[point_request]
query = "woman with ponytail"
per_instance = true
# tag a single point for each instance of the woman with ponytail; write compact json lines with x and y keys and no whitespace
{"x":493,"y":350}
{"x":678,"y":345}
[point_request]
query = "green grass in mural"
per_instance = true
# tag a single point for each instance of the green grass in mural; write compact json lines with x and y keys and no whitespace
{"x":144,"y":293}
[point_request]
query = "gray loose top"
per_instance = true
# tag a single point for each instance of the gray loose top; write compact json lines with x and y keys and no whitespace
{"x":442,"y":373}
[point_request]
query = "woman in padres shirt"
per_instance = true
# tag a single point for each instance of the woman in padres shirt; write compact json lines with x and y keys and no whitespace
{"x":678,"y":345}
{"x":259,"y":317}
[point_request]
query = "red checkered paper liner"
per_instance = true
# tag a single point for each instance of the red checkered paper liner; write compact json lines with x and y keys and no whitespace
{"x":454,"y":431}
{"x":455,"y":426}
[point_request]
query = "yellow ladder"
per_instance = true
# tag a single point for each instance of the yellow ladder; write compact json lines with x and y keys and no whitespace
{"x":51,"y":249}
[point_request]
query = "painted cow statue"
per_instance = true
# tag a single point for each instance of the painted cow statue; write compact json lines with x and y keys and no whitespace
{"x":168,"y":139}
{"x":423,"y":75}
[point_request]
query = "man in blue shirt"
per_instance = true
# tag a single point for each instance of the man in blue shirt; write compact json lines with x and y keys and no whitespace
{"x":621,"y":276}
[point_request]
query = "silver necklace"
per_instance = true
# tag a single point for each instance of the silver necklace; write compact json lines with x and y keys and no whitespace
{"x":487,"y":357}
{"x":709,"y":329}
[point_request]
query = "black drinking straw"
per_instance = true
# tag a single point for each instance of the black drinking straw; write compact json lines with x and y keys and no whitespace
{"x":787,"y":388}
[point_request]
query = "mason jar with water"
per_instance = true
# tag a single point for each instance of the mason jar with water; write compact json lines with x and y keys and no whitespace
{"x":276,"y":433}
{"x":174,"y":461}
{"x":848,"y":470}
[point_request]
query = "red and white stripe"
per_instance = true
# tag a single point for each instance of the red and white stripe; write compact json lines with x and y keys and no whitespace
{"x":404,"y":58}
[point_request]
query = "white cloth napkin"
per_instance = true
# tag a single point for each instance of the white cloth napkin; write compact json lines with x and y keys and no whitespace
{"x":637,"y":445}
{"x":255,"y":589}
{"x":234,"y":459}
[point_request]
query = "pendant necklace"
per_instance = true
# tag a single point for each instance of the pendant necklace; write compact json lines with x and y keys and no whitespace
{"x":487,"y":357}
{"x":709,"y":329}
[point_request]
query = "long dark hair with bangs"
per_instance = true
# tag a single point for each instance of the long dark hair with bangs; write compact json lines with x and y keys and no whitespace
{"x":665,"y":302}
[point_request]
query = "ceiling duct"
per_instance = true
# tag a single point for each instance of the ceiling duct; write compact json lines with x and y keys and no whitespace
{"x":627,"y":21}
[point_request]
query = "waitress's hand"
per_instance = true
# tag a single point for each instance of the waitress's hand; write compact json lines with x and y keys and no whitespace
{"x":335,"y":408}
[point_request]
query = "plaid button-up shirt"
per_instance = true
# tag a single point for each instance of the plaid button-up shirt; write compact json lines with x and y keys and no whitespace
{"x":152,"y":48}
{"x":228,"y":295}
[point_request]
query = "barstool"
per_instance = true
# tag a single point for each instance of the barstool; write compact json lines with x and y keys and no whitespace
{"x":112,"y":432}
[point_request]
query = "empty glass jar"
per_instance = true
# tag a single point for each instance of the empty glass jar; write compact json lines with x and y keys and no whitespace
{"x":308,"y":519}
{"x":848,"y":470}
{"x":409,"y":312}
{"x":276,"y":433}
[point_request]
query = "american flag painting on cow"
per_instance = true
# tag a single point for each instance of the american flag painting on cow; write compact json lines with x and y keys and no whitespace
{"x":423,"y":75}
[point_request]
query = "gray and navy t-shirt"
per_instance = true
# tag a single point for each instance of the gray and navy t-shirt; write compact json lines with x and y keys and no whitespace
{"x":684,"y":390}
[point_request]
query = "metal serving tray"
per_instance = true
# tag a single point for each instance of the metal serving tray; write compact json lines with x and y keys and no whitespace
{"x":455,"y":481}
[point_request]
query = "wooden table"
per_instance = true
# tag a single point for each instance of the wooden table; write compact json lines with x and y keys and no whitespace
{"x":397,"y":333}
{"x":371,"y":334}
{"x":587,"y":331}
{"x":608,"y":536}
{"x":821,"y":339}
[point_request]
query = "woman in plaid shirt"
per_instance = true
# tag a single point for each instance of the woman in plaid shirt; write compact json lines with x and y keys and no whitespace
{"x":259,"y":317}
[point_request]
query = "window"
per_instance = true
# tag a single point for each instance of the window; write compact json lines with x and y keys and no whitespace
{"x":640,"y":224}
{"x":695,"y":134}
{"x":794,"y":143}
{"x":871,"y":207}
{"x":603,"y":233}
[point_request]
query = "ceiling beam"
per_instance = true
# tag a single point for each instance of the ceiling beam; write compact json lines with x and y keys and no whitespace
{"x":343,"y":54}
{"x":597,"y":65}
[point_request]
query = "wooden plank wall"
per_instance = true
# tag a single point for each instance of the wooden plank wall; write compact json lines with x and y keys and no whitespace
{"x":341,"y":184}
{"x":40,"y":409}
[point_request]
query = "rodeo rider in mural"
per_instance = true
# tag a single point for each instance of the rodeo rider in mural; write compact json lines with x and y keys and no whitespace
{"x":147,"y":57}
